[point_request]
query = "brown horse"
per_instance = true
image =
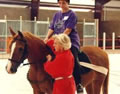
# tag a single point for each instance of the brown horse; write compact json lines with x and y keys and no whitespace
{"x":26,"y":45}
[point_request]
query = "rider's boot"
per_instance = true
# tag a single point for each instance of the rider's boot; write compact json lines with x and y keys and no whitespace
{"x":79,"y":89}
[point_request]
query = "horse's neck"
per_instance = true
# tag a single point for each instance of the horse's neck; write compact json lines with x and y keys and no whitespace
{"x":37,"y":52}
{"x":35,"y":61}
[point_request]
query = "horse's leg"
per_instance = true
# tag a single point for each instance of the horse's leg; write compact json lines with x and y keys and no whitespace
{"x":94,"y":87}
{"x":38,"y":92}
{"x":105,"y":84}
{"x":36,"y":89}
{"x":47,"y":87}
{"x":89,"y":89}
{"x":98,"y":85}
{"x":49,"y":91}
{"x":87,"y":81}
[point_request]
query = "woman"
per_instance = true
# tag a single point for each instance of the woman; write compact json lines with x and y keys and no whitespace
{"x":65,"y":21}
{"x":61,"y":68}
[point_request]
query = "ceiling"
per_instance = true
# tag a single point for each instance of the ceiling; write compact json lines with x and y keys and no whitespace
{"x":87,"y":2}
{"x":26,"y":3}
{"x":80,"y":4}
{"x":113,"y":3}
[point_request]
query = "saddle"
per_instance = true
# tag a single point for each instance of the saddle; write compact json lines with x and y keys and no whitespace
{"x":83,"y":58}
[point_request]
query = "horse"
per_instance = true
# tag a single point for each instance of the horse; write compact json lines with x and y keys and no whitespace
{"x":25,"y":45}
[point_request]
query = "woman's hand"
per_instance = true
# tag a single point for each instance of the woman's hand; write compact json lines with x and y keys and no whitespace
{"x":49,"y":57}
{"x":46,"y":40}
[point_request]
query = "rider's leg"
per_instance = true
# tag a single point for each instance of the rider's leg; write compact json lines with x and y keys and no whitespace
{"x":83,"y":57}
{"x":76,"y":72}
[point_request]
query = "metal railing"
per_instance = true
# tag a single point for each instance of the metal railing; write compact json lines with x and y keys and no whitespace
{"x":39,"y":28}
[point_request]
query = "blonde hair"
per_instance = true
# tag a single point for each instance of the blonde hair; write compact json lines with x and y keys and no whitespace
{"x":64,"y":40}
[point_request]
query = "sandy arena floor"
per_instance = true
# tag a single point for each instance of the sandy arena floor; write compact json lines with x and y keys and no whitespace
{"x":18,"y":84}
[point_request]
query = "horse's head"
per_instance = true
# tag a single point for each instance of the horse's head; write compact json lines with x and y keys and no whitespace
{"x":18,"y":51}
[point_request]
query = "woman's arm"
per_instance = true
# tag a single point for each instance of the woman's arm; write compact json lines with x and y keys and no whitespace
{"x":52,"y":67}
{"x":67,"y":31}
{"x":49,"y":34}
{"x":72,"y":21}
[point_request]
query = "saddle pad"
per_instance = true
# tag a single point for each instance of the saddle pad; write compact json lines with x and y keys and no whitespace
{"x":83,"y":58}
{"x":97,"y":68}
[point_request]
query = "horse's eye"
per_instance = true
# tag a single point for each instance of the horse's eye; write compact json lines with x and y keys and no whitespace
{"x":20,"y":49}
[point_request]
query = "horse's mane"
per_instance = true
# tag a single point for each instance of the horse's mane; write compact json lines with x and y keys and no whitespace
{"x":34,"y":42}
{"x":36,"y":45}
{"x":32,"y":37}
{"x":29,"y":37}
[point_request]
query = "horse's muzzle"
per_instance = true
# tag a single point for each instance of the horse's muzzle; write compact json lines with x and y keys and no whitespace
{"x":11,"y":70}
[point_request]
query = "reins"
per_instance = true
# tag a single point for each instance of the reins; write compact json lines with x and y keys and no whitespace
{"x":41,"y":60}
{"x":23,"y":56}
{"x":25,"y":52}
{"x":25,"y":64}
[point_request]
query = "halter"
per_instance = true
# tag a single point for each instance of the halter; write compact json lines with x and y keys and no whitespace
{"x":25,"y":52}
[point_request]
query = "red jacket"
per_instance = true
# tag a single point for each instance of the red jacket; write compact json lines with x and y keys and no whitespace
{"x":62,"y":66}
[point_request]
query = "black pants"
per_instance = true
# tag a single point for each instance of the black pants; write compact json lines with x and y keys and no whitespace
{"x":76,"y":71}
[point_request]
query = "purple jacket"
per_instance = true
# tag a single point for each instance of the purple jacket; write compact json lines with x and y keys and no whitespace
{"x":61,"y":21}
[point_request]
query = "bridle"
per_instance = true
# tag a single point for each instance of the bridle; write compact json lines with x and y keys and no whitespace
{"x":25,"y":52}
{"x":23,"y":56}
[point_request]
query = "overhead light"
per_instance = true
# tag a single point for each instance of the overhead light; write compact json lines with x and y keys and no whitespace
{"x":56,"y":8}
{"x":16,"y":6}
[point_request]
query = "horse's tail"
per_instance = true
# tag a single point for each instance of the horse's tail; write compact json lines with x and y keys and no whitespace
{"x":106,"y":83}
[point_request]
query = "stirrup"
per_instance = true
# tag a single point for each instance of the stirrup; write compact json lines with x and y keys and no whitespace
{"x":79,"y":89}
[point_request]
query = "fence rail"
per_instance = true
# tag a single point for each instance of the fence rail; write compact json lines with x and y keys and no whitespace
{"x":40,"y":28}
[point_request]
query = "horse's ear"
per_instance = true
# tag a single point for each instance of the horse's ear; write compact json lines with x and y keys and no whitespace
{"x":20,"y":34}
{"x":12,"y":32}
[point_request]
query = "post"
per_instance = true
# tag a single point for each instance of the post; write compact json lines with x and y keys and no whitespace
{"x":34,"y":9}
{"x":104,"y":41}
{"x":113,"y":41}
{"x":21,"y":23}
{"x":6,"y":34}
{"x":83,"y":32}
{"x":48,"y":19}
{"x":35,"y":26}
{"x":5,"y":17}
{"x":97,"y":31}
{"x":35,"y":18}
